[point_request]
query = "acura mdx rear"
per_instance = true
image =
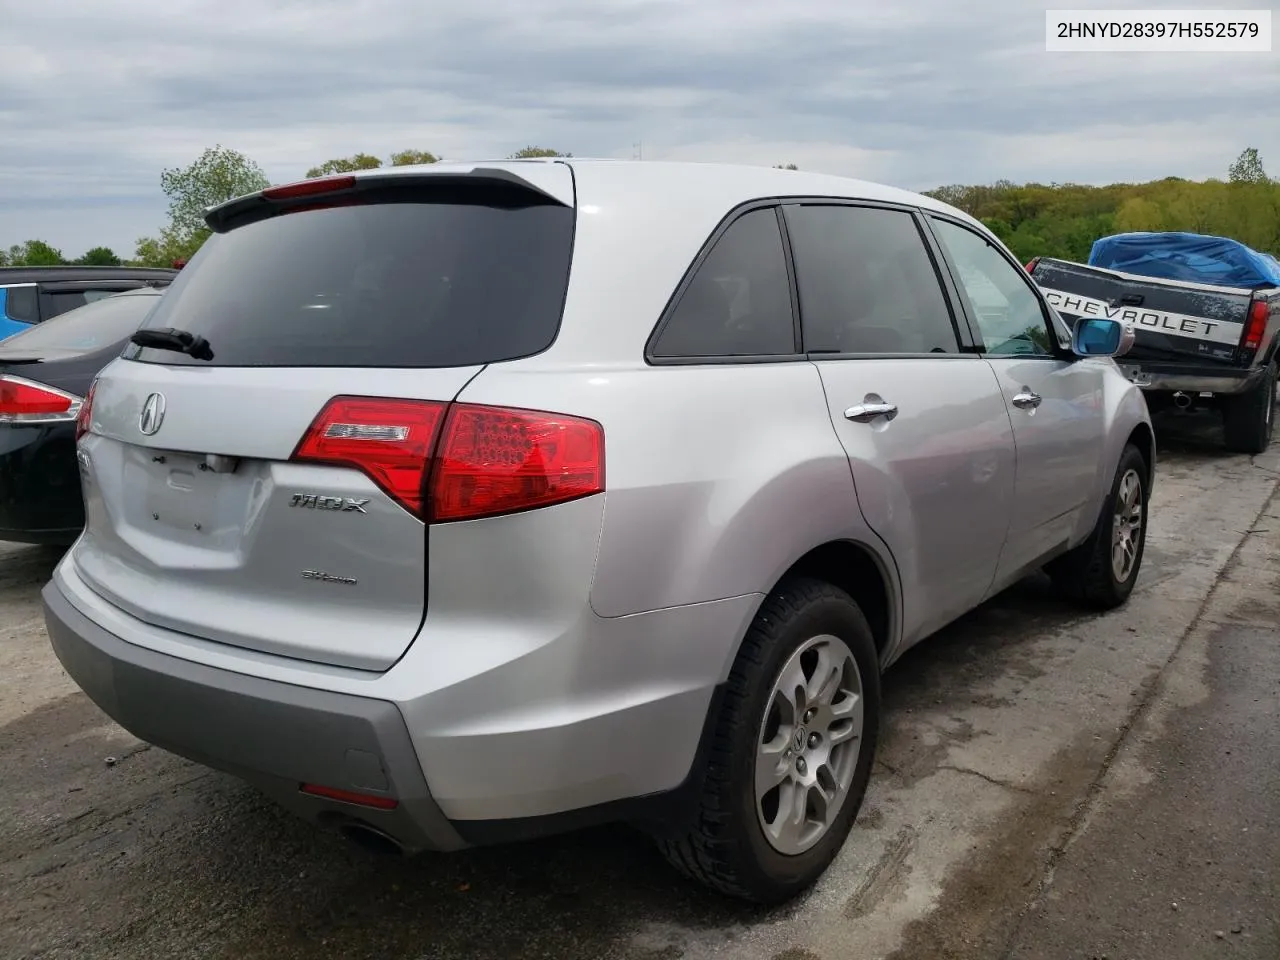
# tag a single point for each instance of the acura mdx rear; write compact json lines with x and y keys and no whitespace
{"x":465,"y":503}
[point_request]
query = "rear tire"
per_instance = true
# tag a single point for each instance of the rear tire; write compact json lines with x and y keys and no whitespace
{"x":1248,"y":419}
{"x":1101,"y":572}
{"x":792,"y":735}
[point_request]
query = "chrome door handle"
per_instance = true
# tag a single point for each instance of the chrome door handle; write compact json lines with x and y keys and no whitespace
{"x":866,"y":412}
{"x":1026,"y":401}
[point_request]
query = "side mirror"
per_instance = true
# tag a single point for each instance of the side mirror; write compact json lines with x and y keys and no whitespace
{"x":1099,"y":337}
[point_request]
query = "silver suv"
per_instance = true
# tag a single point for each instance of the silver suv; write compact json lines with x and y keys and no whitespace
{"x":460,"y":504}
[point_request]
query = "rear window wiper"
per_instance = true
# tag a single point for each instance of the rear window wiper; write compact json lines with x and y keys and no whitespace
{"x":180,"y":341}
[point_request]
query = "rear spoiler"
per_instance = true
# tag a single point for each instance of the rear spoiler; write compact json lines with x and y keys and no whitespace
{"x":548,"y":180}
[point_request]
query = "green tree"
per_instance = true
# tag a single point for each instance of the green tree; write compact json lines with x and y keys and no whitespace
{"x":217,"y":175}
{"x":409,"y":158}
{"x":1247,"y":168}
{"x":530,"y":153}
{"x":34,"y":253}
{"x":166,"y":248}
{"x":365,"y":161}
{"x":361,"y":161}
{"x":99,"y":257}
{"x":1138,"y":214}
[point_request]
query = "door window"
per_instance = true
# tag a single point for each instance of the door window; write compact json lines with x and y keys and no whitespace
{"x":20,"y":303}
{"x":867,"y":283}
{"x":738,"y":303}
{"x":1006,"y":309}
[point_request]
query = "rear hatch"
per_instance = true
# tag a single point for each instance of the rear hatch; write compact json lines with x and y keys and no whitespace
{"x":221,"y":500}
{"x":1173,"y":321}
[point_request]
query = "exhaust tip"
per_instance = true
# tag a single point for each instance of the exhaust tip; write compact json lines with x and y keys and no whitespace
{"x":1182,"y":400}
{"x":372,"y":840}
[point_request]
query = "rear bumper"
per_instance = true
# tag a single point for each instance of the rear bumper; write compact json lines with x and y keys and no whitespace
{"x":40,"y":498}
{"x":1189,"y":378}
{"x":274,"y":735}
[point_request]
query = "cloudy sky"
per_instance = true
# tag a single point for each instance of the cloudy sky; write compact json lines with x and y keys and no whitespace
{"x":97,"y":98}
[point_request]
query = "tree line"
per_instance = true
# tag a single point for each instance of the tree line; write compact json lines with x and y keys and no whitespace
{"x":1054,"y":220}
{"x":1063,"y":220}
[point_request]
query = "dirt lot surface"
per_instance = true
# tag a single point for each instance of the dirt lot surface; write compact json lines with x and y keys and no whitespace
{"x":1050,"y":786}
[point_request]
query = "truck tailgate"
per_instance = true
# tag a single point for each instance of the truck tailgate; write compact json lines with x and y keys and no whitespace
{"x":1172,"y":320}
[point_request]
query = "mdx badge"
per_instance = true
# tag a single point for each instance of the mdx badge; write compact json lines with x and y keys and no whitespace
{"x":314,"y":501}
{"x":152,"y":414}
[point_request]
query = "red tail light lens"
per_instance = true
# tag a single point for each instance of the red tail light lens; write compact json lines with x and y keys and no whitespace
{"x":350,"y":796}
{"x":310,"y":188}
{"x":1259,"y":313}
{"x":1031,"y":264}
{"x":390,"y":440}
{"x":22,"y":401}
{"x":85,"y":415}
{"x":494,"y":461}
{"x":446,"y":462}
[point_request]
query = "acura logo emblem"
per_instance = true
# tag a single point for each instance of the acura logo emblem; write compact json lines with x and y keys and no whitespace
{"x":152,"y":414}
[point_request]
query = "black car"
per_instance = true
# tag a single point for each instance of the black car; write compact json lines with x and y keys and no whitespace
{"x":44,"y":375}
{"x":30,"y":295}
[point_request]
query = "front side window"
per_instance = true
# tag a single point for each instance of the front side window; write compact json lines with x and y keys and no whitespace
{"x":1006,"y":309}
{"x":738,"y":303}
{"x":867,"y":283}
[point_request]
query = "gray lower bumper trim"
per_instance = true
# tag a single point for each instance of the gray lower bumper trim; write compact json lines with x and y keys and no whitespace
{"x":275,"y":735}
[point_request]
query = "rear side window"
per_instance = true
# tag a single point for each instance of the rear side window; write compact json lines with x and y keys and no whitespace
{"x":87,"y":329}
{"x":59,"y":302}
{"x":20,"y":304}
{"x":867,"y":283}
{"x":738,"y":303}
{"x":435,"y":279}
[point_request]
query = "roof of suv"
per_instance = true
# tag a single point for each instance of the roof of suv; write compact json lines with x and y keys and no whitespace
{"x":639,"y":227}
{"x":749,"y":182}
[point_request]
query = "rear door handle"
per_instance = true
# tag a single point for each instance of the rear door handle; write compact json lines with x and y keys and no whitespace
{"x":1027,"y":400}
{"x":866,"y":412}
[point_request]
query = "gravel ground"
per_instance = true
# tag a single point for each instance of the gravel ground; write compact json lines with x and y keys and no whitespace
{"x":1049,"y":784}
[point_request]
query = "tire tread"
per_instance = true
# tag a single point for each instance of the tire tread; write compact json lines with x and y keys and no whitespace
{"x":706,"y":853}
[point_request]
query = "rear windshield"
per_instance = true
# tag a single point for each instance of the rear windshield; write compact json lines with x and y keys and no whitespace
{"x":86,"y":329}
{"x":436,"y":280}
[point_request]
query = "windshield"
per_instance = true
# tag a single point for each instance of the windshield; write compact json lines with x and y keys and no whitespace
{"x":444,"y":280}
{"x":86,"y":329}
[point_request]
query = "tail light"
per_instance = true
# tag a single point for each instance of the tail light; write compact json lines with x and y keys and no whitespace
{"x":1256,"y":327}
{"x":445,"y":462}
{"x":22,"y":401}
{"x":1031,"y":264}
{"x":310,"y":188}
{"x":85,"y":416}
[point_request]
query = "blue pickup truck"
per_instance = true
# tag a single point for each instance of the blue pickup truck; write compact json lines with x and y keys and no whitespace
{"x":30,"y":295}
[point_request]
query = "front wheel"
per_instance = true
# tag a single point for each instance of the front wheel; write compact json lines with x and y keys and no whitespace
{"x":792,"y":749}
{"x":1101,"y":571}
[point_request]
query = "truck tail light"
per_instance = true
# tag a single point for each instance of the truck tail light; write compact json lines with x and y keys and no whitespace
{"x":445,"y":462}
{"x":1256,"y":326}
{"x":22,"y":401}
{"x":1031,"y":264}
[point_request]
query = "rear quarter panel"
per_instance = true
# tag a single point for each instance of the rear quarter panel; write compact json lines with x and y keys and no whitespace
{"x":718,"y":477}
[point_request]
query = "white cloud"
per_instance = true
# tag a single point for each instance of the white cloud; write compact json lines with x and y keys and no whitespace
{"x":917,"y":93}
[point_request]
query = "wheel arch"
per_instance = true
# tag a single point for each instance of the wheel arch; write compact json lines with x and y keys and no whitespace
{"x":863,"y":573}
{"x":1144,"y":438}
